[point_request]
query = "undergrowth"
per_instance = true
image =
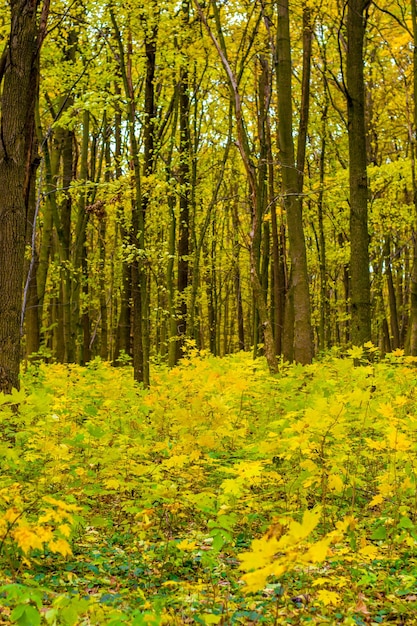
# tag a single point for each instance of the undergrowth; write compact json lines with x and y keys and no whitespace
{"x":223,"y":495}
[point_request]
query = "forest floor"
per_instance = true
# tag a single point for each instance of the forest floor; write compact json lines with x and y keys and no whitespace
{"x":222,"y":496}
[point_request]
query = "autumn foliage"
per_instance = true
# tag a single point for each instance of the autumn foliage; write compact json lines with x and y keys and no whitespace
{"x":222,"y":496}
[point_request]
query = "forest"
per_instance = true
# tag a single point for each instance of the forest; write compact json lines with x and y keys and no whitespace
{"x":208,"y":312}
{"x":238,"y":174}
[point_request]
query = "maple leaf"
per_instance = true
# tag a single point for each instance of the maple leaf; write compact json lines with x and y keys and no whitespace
{"x":60,"y":546}
{"x":318,"y":551}
{"x":355,"y":352}
{"x":232,"y":486}
{"x":327,"y":597}
{"x":27,"y":539}
{"x":65,"y":529}
{"x":378,"y":499}
{"x":310,"y":520}
{"x":186,"y":545}
{"x":335,"y":483}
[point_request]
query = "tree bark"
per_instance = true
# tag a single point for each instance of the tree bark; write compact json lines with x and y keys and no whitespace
{"x":303,"y":346}
{"x":412,"y":327}
{"x":20,"y":87}
{"x":358,"y":182}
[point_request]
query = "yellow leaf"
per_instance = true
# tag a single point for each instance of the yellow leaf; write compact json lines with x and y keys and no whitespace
{"x":65,"y":529}
{"x":249,"y":469}
{"x":11,"y":515}
{"x":44,"y":533}
{"x":335,"y":483}
{"x":375,"y":445}
{"x":310,"y":521}
{"x":370,"y":551}
{"x":326,"y":597}
{"x":211,"y":618}
{"x":386,"y":410}
{"x":177,"y":460}
{"x":318,"y":551}
{"x":60,"y":504}
{"x":207,"y":440}
{"x":322,"y":580}
{"x":232,"y":486}
{"x":355,"y":352}
{"x":257,"y":580}
{"x":170,"y":583}
{"x":112,"y":483}
{"x":186,"y":545}
{"x":60,"y":546}
{"x":261,"y":553}
{"x":378,"y":499}
{"x":26,"y":539}
{"x":398,"y":441}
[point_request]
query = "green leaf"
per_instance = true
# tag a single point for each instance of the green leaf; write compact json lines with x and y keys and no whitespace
{"x":25,"y":615}
{"x":379,"y":533}
{"x":405,"y":522}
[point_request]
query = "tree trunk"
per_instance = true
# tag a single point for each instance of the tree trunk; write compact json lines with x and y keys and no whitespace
{"x":138,"y":274}
{"x":20,"y":87}
{"x":358,"y":182}
{"x":303,"y":347}
{"x":243,"y":145}
{"x":392,"y":300}
{"x":30,"y":307}
{"x":184,"y":212}
{"x":122,"y":343}
{"x":151,"y":31}
{"x":412,"y":327}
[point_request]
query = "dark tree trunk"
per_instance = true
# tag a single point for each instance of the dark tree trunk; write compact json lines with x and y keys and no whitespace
{"x":412,"y":327}
{"x":303,"y":347}
{"x":122,"y":343}
{"x":184,"y":214}
{"x":358,"y":182}
{"x":20,"y":86}
{"x":148,"y":166}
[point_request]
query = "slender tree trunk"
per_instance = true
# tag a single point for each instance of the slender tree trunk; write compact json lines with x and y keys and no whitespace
{"x":65,"y":210}
{"x":139,"y":275}
{"x":324,"y":327}
{"x":250,"y":170}
{"x":412,"y":327}
{"x":122,"y":343}
{"x":358,"y":181}
{"x":151,"y":31}
{"x":184,"y":208}
{"x":77,"y":343}
{"x":303,"y":347}
{"x":237,"y":276}
{"x":172,"y":230}
{"x":392,"y":300}
{"x":104,"y":324}
{"x":30,"y":311}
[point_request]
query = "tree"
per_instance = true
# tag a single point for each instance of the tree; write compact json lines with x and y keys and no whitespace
{"x":243,"y":144}
{"x":17,"y":167}
{"x":292,"y":179}
{"x":412,"y":348}
{"x":358,"y":181}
